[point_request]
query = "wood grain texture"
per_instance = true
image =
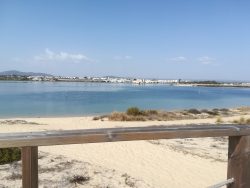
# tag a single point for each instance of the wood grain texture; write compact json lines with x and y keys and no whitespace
{"x":46,"y":138}
{"x":30,"y":167}
{"x":239,"y":161}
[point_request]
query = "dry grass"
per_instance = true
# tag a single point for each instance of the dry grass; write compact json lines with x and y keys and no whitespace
{"x":136,"y":114}
{"x":17,"y":122}
{"x":119,"y":116}
{"x":129,"y":181}
{"x":242,"y":121}
{"x":14,"y":176}
{"x":244,"y":109}
{"x":96,"y":118}
{"x":248,"y":121}
{"x":219,"y":120}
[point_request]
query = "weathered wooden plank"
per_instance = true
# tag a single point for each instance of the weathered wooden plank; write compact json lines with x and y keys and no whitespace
{"x":239,"y":161}
{"x":47,"y":138}
{"x":30,"y":167}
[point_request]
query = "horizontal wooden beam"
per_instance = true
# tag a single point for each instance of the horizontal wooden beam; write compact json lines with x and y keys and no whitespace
{"x":47,"y":138}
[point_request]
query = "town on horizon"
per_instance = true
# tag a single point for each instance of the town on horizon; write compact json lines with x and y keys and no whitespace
{"x":31,"y":76}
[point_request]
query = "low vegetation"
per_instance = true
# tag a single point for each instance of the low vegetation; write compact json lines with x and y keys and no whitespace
{"x":219,"y":120}
{"x":100,"y":117}
{"x":193,"y":111}
{"x":79,"y":179}
{"x":8,"y":155}
{"x":137,"y":114}
{"x":18,"y":122}
{"x":129,"y":181}
{"x":242,"y":121}
{"x":14,"y":176}
{"x":14,"y":78}
{"x":134,"y":111}
{"x":120,"y":116}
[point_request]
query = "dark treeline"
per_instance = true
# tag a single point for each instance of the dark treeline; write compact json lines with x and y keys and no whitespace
{"x":14,"y":78}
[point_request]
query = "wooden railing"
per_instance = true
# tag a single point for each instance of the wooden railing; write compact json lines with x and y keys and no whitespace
{"x":238,"y":151}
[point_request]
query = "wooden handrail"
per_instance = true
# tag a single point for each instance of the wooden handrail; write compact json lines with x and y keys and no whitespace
{"x":238,"y":151}
{"x":47,"y":138}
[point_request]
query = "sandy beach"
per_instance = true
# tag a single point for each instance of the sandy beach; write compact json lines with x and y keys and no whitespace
{"x":159,"y":163}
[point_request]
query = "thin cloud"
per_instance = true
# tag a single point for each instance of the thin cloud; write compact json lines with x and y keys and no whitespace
{"x":179,"y":59}
{"x":126,"y":57}
{"x":16,"y":59}
{"x":206,"y":60}
{"x":61,"y":56}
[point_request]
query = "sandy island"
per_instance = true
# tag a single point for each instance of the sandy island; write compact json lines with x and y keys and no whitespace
{"x":159,"y":164}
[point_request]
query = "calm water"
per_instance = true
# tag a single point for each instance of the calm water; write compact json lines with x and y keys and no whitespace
{"x":22,"y":99}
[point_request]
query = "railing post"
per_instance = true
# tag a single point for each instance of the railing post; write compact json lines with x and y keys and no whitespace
{"x":30,"y":167}
{"x":239,"y":161}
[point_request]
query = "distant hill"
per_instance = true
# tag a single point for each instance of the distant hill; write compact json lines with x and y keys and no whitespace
{"x":19,"y":73}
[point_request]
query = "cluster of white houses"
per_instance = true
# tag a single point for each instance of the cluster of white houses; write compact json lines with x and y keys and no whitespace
{"x":102,"y":79}
{"x":138,"y":81}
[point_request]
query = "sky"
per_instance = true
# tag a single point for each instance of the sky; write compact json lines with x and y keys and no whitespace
{"x":172,"y":39}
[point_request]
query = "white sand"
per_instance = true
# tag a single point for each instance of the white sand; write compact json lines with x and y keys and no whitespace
{"x":160,"y":164}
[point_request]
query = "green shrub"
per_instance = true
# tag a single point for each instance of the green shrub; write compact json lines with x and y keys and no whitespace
{"x":194,"y":111}
{"x":133,"y":111}
{"x":96,"y":118}
{"x":151,"y":112}
{"x":224,"y":110}
{"x":213,"y":113}
{"x":204,"y":111}
{"x":79,"y":179}
{"x":8,"y":155}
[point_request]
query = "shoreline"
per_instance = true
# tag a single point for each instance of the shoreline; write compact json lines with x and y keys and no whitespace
{"x":109,"y":113}
{"x":220,"y":85}
{"x":52,"y":116}
{"x":243,"y":111}
{"x":211,"y":120}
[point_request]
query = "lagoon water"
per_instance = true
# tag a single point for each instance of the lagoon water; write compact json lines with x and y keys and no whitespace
{"x":42,"y":99}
